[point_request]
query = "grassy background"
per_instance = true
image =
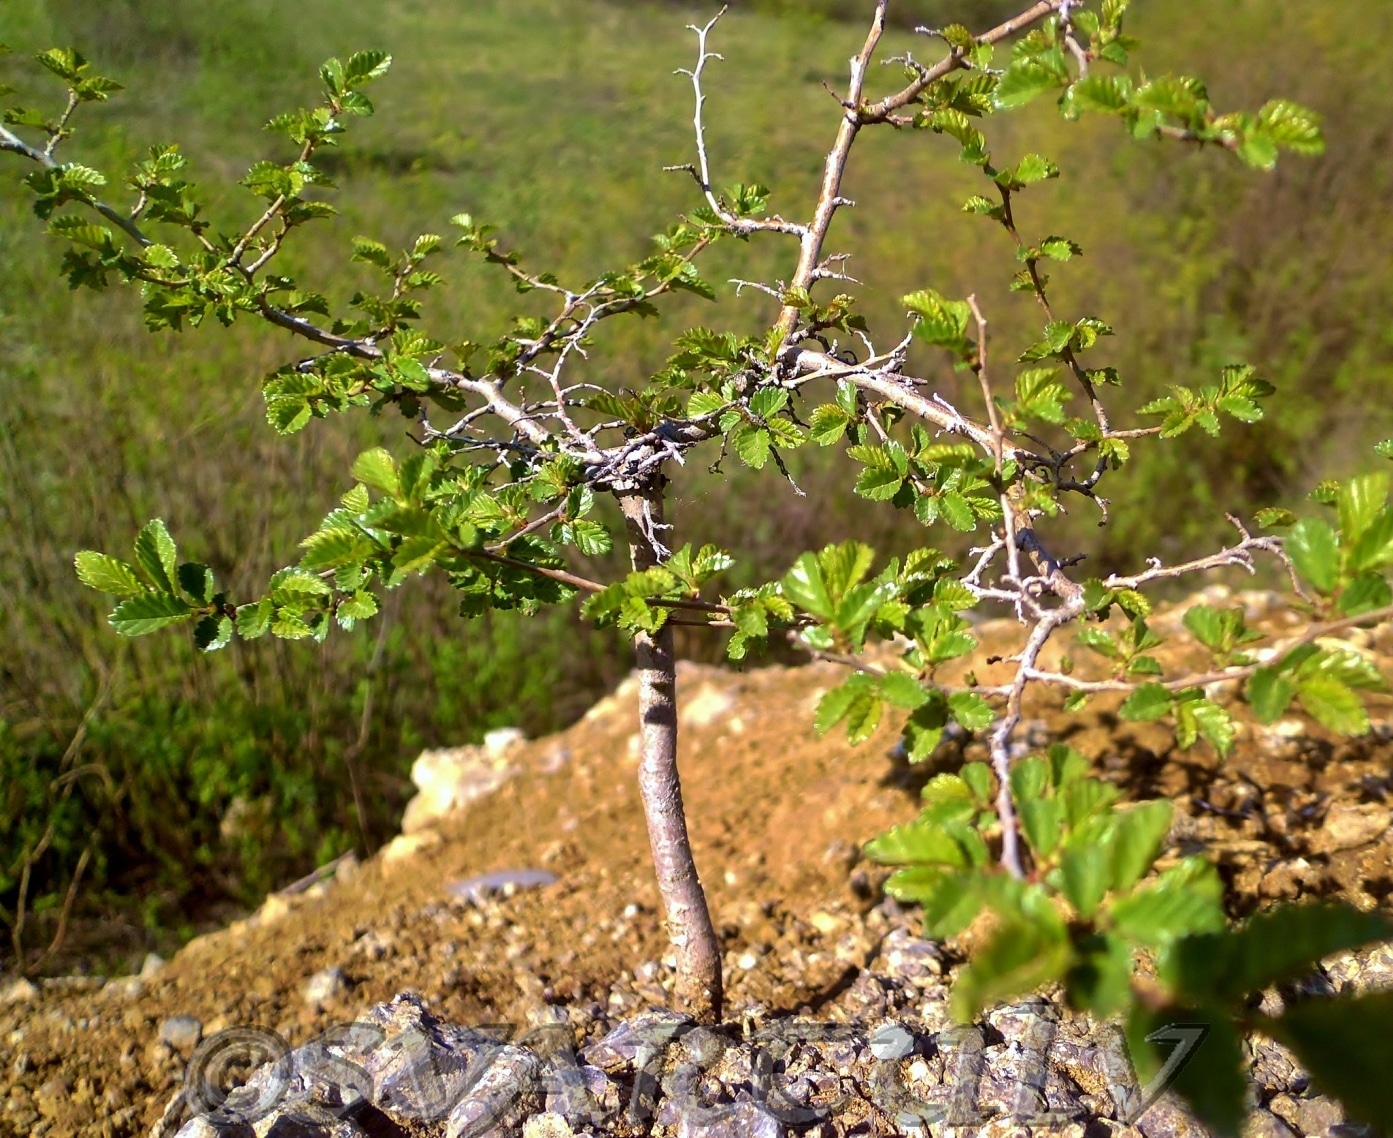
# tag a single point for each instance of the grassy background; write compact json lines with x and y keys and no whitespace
{"x":195,"y":783}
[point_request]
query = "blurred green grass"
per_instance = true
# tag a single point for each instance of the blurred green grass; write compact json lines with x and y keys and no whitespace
{"x":553,"y":120}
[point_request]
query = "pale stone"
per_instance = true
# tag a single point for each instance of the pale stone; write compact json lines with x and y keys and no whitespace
{"x":19,"y":991}
{"x":404,"y":846}
{"x":547,"y":1125}
{"x":501,"y":740}
{"x":450,"y":778}
{"x":705,"y":706}
{"x":1347,"y":827}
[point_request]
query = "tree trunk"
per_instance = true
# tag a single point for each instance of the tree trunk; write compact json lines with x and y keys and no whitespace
{"x":690,"y":930}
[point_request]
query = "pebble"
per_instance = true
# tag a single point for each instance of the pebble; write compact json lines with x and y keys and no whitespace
{"x":547,"y":1125}
{"x":181,"y":1033}
{"x":477,"y":889}
{"x":1347,"y":827}
{"x":501,"y":740}
{"x":151,"y":966}
{"x":324,"y":987}
{"x":19,"y":991}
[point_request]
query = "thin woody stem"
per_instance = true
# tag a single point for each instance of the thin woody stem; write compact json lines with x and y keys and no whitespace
{"x":699,"y":983}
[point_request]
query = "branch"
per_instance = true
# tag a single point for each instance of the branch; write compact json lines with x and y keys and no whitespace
{"x":1225,"y":675}
{"x":16,"y":145}
{"x":702,"y":171}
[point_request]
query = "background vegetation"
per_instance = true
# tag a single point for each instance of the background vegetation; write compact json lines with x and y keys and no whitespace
{"x":177,"y":784}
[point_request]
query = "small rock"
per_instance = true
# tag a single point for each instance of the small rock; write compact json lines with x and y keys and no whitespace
{"x":404,"y":846}
{"x":1350,"y":826}
{"x":19,"y":991}
{"x":449,"y":779}
{"x":324,"y":987}
{"x":476,"y":889}
{"x":151,"y":966}
{"x":1264,"y":1124}
{"x":654,"y":1029}
{"x":182,"y":1033}
{"x":893,"y":1041}
{"x":276,"y":907}
{"x":1317,"y":1115}
{"x":500,"y":1099}
{"x":53,"y":1089}
{"x":547,"y":1125}
{"x":704,"y":706}
{"x":373,"y":945}
{"x":741,"y":1120}
{"x":126,"y":988}
{"x":501,"y":740}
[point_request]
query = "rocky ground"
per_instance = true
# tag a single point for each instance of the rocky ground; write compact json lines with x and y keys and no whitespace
{"x":574,"y":948}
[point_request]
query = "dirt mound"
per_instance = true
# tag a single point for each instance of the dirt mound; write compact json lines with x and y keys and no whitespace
{"x":777,"y":816}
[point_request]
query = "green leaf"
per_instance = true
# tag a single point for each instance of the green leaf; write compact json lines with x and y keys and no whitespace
{"x":591,"y":538}
{"x":900,"y":689}
{"x":1271,"y":947}
{"x":704,"y":403}
{"x":752,"y":444}
{"x":254,"y":620}
{"x":1272,"y":517}
{"x":855,"y":701}
{"x":1108,"y":93}
{"x":917,"y":843}
{"x":1084,"y":876}
{"x":1149,"y":701}
{"x":806,"y":587}
{"x":1022,"y":955}
{"x":213,"y":632}
{"x":1185,"y":899}
{"x":949,"y":899}
{"x":1270,"y":693}
{"x":156,"y":555}
{"x":197,"y":582}
{"x":942,"y":323}
{"x":828,"y":424}
{"x":1344,"y":1044}
{"x":376,"y":468}
{"x":107,"y":574}
{"x":330,"y":548}
{"x":1099,"y":980}
{"x":1332,"y":704}
{"x":1214,"y":723}
{"x":364,"y":66}
{"x":1029,"y":778}
{"x":1292,"y":127}
{"x":1041,"y":819}
{"x":1315,"y":553}
{"x":1137,"y":835}
{"x":1360,"y":501}
{"x":971,"y":711}
{"x":768,"y":401}
{"x":359,"y":606}
{"x":1026,"y":80}
{"x":1211,"y":1078}
{"x":148,"y":613}
{"x":1034,"y":168}
{"x":878,"y":485}
{"x":924,"y":730}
